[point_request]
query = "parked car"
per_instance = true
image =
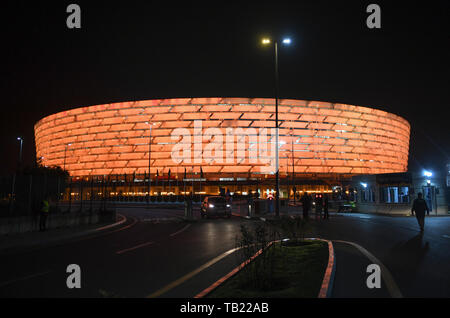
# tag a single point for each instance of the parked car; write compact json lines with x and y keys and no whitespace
{"x":215,"y":206}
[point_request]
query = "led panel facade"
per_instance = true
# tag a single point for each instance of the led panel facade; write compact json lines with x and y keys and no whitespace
{"x":315,"y":137}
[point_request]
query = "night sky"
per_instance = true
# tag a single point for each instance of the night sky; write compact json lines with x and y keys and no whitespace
{"x":144,"y":50}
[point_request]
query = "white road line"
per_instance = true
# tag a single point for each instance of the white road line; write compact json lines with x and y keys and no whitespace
{"x":191,"y":274}
{"x":178,"y":232}
{"x":135,"y":247}
{"x":22,"y":278}
{"x":392,"y":287}
{"x":123,"y":220}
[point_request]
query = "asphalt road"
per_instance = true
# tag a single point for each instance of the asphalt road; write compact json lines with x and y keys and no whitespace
{"x":419,"y":265}
{"x":143,"y":258}
{"x":134,"y":262}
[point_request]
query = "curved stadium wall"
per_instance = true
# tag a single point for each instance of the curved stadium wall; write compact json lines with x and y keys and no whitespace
{"x":317,"y":138}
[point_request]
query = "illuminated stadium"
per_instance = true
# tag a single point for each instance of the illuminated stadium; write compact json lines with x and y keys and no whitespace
{"x":321,"y":144}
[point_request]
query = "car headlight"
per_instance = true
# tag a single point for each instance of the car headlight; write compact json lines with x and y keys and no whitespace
{"x":211,"y":205}
{"x":228,"y":205}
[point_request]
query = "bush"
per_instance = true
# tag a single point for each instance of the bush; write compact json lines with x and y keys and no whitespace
{"x":259,"y":273}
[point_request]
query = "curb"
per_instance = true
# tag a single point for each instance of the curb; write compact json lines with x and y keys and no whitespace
{"x":328,"y":278}
{"x":327,"y":282}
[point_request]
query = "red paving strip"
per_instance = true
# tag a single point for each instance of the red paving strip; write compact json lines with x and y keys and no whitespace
{"x":328,"y":278}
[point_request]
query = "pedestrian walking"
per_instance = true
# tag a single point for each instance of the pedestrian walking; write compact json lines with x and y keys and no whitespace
{"x":325,"y":208}
{"x":319,"y":205}
{"x":419,"y":207}
{"x":45,"y":207}
{"x":270,"y":203}
{"x":249,"y":205}
{"x":305,"y":205}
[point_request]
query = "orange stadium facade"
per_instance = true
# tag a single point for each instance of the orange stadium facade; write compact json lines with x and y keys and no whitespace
{"x":317,"y":140}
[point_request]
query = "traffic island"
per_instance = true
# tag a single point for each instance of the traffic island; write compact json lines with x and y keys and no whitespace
{"x":293,"y":269}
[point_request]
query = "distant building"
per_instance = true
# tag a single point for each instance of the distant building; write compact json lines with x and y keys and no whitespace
{"x":393,"y":193}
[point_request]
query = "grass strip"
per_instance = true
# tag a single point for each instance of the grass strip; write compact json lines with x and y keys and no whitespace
{"x":297,"y":273}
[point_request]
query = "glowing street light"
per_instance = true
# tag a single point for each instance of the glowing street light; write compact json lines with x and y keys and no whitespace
{"x":267,"y":41}
{"x":427,"y":173}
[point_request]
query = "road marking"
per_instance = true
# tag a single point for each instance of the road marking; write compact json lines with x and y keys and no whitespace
{"x":125,"y":227}
{"x":124,"y":219}
{"x":135,"y":247}
{"x":22,"y":278}
{"x":88,"y":236}
{"x":227,"y":276}
{"x":392,"y":287}
{"x":178,"y":232}
{"x":191,"y":274}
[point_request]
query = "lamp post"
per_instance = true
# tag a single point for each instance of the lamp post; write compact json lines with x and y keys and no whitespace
{"x":20,"y":152}
{"x":64,"y":169}
{"x":13,"y":188}
{"x":65,"y":152}
{"x":267,"y":41}
{"x":149,"y":160}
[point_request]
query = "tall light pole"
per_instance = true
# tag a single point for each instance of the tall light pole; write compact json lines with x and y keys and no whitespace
{"x":267,"y":41}
{"x":65,"y":152}
{"x":64,"y":169}
{"x":149,"y":159}
{"x":13,"y":188}
{"x":20,"y":152}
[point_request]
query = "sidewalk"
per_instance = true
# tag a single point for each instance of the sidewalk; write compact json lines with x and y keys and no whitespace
{"x":11,"y":242}
{"x":241,"y":210}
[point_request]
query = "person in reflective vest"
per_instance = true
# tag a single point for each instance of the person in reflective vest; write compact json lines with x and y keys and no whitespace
{"x":45,"y":207}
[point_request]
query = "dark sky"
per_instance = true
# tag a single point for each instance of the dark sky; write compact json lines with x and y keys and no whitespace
{"x":143,"y":50}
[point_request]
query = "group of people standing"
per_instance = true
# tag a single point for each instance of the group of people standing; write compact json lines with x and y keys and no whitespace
{"x":321,"y":204}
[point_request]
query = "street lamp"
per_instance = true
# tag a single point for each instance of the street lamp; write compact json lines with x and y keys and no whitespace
{"x":285,"y":41}
{"x":13,"y":188}
{"x":149,"y":158}
{"x":427,"y":173}
{"x":20,"y":151}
